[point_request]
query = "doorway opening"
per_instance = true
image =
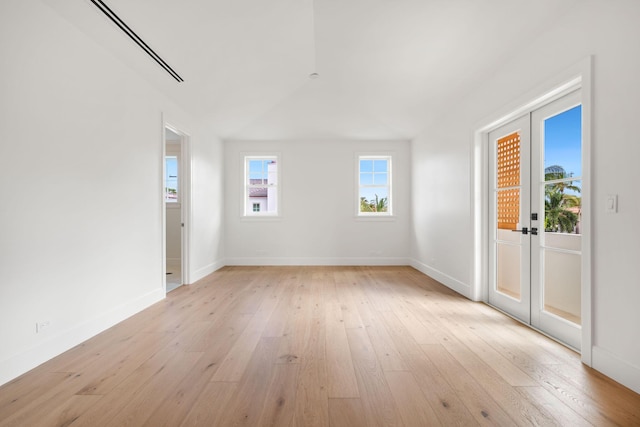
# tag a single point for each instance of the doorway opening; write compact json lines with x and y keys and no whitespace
{"x":175,"y":207}
{"x":532,"y":211}
{"x":535,"y":208}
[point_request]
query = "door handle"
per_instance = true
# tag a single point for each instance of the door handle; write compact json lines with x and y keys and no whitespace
{"x":525,"y":230}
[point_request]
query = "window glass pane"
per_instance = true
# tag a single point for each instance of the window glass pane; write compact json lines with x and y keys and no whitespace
{"x":380,"y":166}
{"x":256,"y":171}
{"x":374,"y":200}
{"x":380,"y":179}
{"x":171,"y":179}
{"x":366,"y":179}
{"x":563,"y":144}
{"x":366,"y":165}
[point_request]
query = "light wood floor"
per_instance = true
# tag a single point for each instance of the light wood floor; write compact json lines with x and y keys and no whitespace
{"x":317,"y":346}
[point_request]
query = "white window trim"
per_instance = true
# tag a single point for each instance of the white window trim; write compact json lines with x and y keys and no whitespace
{"x":263,"y":215}
{"x":374,"y":216}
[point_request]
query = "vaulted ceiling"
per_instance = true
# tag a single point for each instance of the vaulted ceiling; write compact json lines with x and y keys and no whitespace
{"x":388,"y":68}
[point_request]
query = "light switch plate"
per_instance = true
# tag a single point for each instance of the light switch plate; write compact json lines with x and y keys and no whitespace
{"x":611,"y":204}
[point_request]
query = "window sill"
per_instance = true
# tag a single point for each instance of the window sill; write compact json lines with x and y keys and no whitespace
{"x":374,"y":218}
{"x":260,"y":218}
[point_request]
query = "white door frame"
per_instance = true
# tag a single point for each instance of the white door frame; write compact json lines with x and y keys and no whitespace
{"x":185,"y":199}
{"x":578,"y":76}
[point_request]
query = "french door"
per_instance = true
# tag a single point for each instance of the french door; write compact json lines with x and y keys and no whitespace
{"x":535,"y":209}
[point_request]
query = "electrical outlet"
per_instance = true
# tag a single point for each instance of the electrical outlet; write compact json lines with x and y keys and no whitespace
{"x":40,"y":326}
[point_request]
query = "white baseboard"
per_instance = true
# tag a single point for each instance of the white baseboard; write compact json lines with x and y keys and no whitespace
{"x":19,"y":364}
{"x":264,"y":261}
{"x":454,"y":284}
{"x":622,"y":371}
{"x":206,"y":270}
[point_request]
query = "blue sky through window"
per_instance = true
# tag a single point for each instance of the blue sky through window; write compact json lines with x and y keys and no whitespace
{"x":563,"y":141}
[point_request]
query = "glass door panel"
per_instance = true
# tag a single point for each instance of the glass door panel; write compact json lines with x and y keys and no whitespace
{"x":556,"y":251}
{"x":510,"y":248}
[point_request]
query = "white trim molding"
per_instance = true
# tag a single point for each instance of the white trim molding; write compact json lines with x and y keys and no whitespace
{"x":299,"y":261}
{"x":616,"y":368}
{"x":206,"y":270}
{"x":450,"y":282}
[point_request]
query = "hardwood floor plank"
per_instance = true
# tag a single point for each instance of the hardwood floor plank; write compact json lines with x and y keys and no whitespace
{"x":279,"y":405}
{"x":449,"y":408}
{"x":384,"y":347}
{"x":341,"y":377}
{"x":27,"y":388}
{"x":235,"y":363}
{"x":110,"y":369}
{"x":245,"y":406}
{"x":57,"y":414}
{"x":522,"y":411}
{"x":344,"y":280}
{"x":312,"y":402}
{"x":376,"y":398}
{"x":483,"y":407}
{"x":212,"y":404}
{"x":133,"y":401}
{"x":346,"y":413}
{"x":564,"y":415}
{"x":412,"y":405}
{"x":464,"y":334}
{"x":134,"y":385}
{"x":177,"y":405}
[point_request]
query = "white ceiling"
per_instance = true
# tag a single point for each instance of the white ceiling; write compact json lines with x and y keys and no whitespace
{"x":387,"y":68}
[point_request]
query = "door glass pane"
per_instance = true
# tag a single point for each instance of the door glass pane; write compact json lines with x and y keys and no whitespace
{"x":561,"y":293}
{"x":508,"y":271}
{"x":562,"y":208}
{"x":508,"y":242}
{"x":563,"y":144}
{"x":508,"y":209}
{"x":563,"y":166}
{"x":562,"y":240}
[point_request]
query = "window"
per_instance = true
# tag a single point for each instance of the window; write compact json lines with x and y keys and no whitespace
{"x":171,"y":186}
{"x":261,"y":185}
{"x":374,"y":185}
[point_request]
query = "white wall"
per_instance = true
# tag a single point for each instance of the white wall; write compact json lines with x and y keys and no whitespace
{"x":206,"y":227}
{"x":318,"y":207}
{"x":441,"y":161}
{"x":81,"y":219}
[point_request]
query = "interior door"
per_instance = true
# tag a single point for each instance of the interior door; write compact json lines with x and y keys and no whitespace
{"x":556,"y":255}
{"x":535,"y":186}
{"x":510,"y":248}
